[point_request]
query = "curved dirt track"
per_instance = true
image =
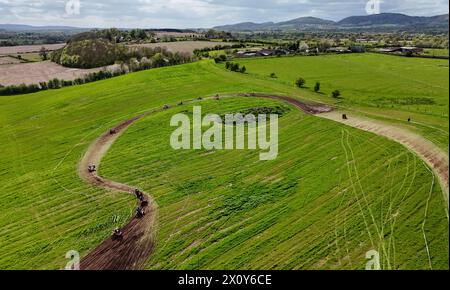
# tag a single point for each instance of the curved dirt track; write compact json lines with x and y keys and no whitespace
{"x":133,"y":249}
{"x":138,"y":242}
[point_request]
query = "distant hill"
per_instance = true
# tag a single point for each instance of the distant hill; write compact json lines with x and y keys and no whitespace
{"x":246,"y":26}
{"x":21,"y":27}
{"x":305,"y":22}
{"x":384,"y":21}
{"x":393,"y":19}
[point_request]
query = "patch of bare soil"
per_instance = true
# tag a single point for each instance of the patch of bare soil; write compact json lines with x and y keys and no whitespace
{"x":8,"y":60}
{"x":34,"y":73}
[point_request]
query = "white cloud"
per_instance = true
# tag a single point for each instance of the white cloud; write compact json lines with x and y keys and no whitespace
{"x":196,"y":13}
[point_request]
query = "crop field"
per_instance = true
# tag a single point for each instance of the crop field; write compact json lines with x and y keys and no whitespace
{"x":436,"y":52}
{"x":333,"y":194}
{"x":33,"y":73}
{"x":384,"y":86}
{"x":28,"y":48}
{"x":29,"y":57}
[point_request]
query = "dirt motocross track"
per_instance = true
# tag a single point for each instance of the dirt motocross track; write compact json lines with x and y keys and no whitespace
{"x":138,"y":242}
{"x":130,"y":251}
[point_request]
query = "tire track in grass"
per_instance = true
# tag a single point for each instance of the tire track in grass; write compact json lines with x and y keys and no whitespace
{"x":338,"y":250}
{"x":358,"y":180}
{"x":425,"y":218}
{"x":434,"y":157}
{"x":139,"y":241}
{"x":354,"y":187}
{"x":396,"y":215}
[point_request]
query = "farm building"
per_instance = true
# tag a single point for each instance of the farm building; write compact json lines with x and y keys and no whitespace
{"x":357,"y":48}
{"x":339,"y":50}
{"x":246,"y":53}
{"x":403,"y":50}
{"x":272,"y":52}
{"x":262,"y":52}
{"x":411,"y":49}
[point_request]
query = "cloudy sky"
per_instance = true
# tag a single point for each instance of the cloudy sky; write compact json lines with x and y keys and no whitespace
{"x":194,"y":13}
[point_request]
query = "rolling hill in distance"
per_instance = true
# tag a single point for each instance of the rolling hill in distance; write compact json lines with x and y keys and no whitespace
{"x":383,"y":21}
{"x":377,"y":21}
{"x":23,"y":27}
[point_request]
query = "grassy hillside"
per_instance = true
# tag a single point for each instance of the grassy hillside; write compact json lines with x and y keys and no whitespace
{"x":381,"y":85}
{"x":332,"y":195}
{"x":45,"y":210}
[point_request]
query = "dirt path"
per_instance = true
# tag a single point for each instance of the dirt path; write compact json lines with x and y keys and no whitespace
{"x":435,"y":157}
{"x":133,"y":249}
{"x":138,"y":241}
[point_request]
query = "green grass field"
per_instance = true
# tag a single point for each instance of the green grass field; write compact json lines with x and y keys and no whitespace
{"x":321,"y":198}
{"x":331,"y":196}
{"x":28,"y":57}
{"x":45,"y":209}
{"x":436,"y":52}
{"x":388,"y":87}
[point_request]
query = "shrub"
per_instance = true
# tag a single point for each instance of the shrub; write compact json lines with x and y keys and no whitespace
{"x":220,"y":58}
{"x":43,"y":53}
{"x":317,"y":87}
{"x":145,"y":63}
{"x":134,"y":64}
{"x":43,"y":85}
{"x":54,"y":84}
{"x":19,"y":89}
{"x":300,"y":82}
{"x":336,"y":94}
{"x":235,"y":67}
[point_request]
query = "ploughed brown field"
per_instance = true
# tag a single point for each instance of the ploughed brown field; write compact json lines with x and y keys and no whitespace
{"x":8,"y":60}
{"x":29,"y":48}
{"x":12,"y":72}
{"x":33,"y":73}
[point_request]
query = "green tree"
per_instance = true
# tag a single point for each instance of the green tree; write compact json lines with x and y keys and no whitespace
{"x":142,"y":34}
{"x":158,"y":60}
{"x":43,"y":53}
